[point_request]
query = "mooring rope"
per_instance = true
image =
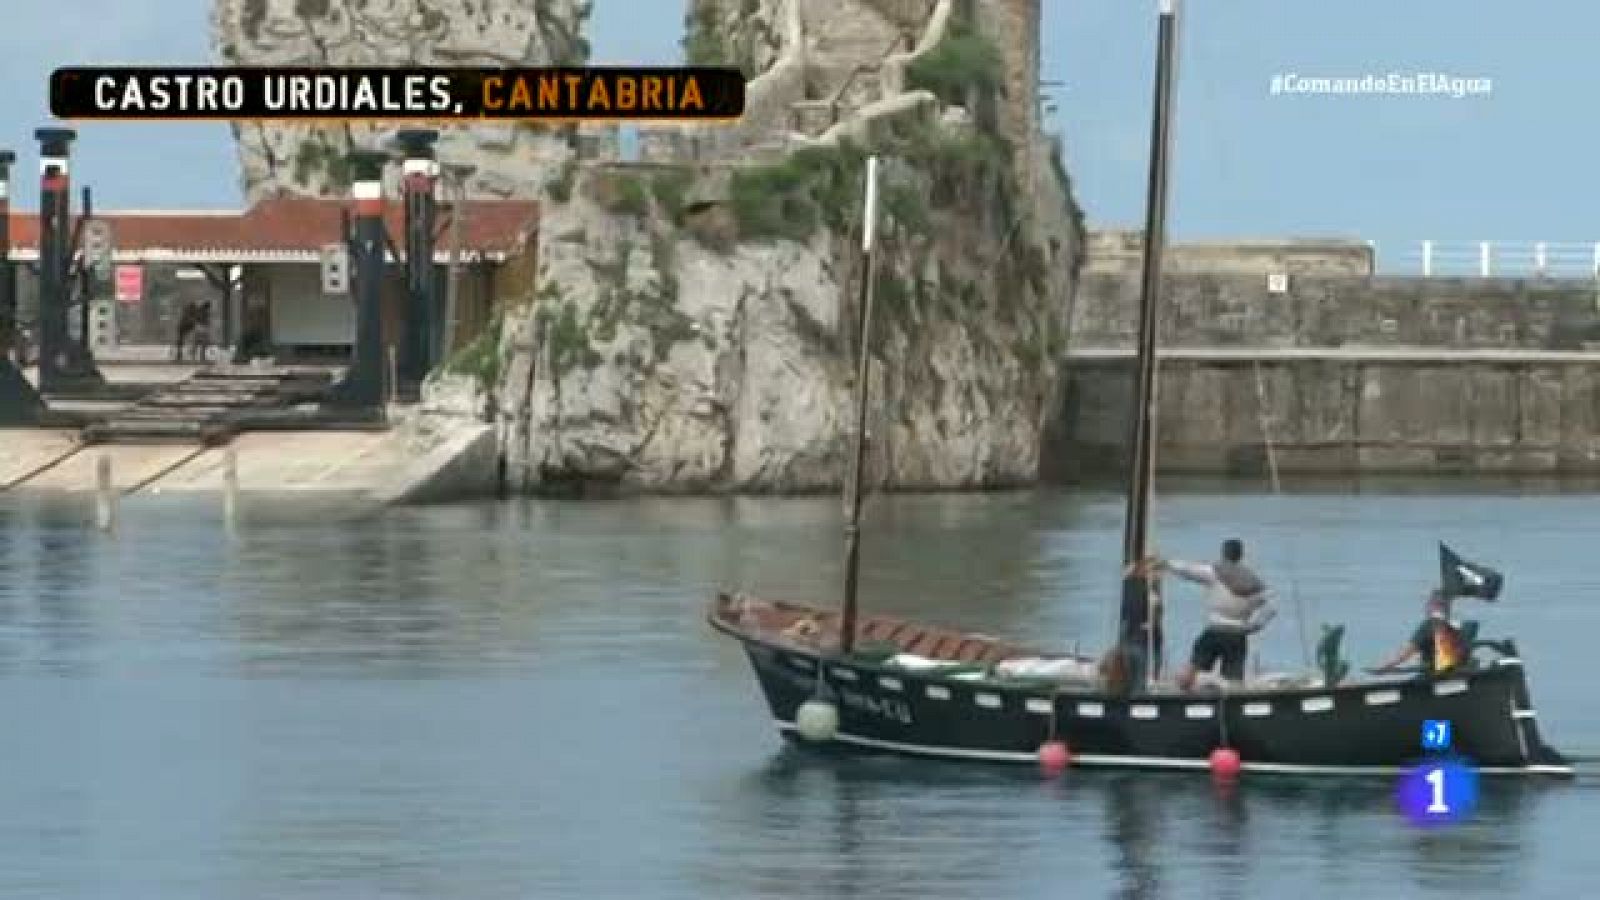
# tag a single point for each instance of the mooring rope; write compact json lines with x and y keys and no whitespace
{"x":1277,"y":491}
{"x":1222,"y":716}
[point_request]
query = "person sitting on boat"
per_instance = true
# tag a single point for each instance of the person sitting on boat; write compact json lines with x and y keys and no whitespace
{"x":1240,"y":606}
{"x":1436,"y":641}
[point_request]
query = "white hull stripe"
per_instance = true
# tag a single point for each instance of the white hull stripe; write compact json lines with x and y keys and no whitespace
{"x":1154,"y":762}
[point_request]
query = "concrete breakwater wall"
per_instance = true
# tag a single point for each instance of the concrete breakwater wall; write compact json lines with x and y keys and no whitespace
{"x":1234,"y":308}
{"x":1339,"y":412}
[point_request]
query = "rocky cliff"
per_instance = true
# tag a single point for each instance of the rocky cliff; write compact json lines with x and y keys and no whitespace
{"x":694,"y":325}
{"x":306,"y":159}
{"x":693,"y":321}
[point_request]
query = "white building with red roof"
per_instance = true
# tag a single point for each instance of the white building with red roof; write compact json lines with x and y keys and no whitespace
{"x":264,"y":264}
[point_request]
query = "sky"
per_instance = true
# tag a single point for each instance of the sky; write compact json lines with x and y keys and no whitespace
{"x":1510,"y":165}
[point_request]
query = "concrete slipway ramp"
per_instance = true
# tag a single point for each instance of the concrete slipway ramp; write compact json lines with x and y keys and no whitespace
{"x":370,"y":467}
{"x":27,"y":453}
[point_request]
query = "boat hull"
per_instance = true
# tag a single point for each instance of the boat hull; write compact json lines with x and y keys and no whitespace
{"x":1360,"y":728}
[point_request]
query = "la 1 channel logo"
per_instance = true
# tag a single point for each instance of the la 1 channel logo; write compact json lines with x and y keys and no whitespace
{"x":1443,"y":788}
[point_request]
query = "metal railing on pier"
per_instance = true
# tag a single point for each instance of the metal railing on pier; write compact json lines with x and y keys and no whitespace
{"x":1502,"y":259}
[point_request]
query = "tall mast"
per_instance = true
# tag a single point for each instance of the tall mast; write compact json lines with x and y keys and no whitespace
{"x":852,"y":531}
{"x":1141,"y":473}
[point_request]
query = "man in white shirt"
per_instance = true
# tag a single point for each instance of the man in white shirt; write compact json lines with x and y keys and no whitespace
{"x":1239,"y":607}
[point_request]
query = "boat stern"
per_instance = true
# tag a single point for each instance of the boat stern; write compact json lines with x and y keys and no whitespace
{"x":1537,"y":755}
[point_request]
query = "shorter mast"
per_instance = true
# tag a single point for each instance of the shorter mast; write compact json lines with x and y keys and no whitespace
{"x":852,"y":530}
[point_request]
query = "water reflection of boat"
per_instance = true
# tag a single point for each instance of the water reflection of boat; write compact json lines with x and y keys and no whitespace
{"x":886,"y":684}
{"x":879,"y":826}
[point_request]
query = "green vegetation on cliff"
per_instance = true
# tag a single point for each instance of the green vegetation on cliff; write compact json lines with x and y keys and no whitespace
{"x":820,"y":187}
{"x":631,"y":193}
{"x":670,"y":187}
{"x":560,"y":187}
{"x":482,"y":357}
{"x":313,"y":157}
{"x":962,"y":62}
{"x":814,"y":186}
{"x":703,"y":43}
{"x":963,"y":69}
{"x":1059,"y":167}
{"x":652,"y":306}
{"x":621,"y":193}
{"x":566,"y":340}
{"x":707,"y":43}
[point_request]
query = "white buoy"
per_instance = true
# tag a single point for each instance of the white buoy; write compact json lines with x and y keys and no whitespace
{"x":105,"y":506}
{"x":817,"y":720}
{"x":230,"y":488}
{"x":394,"y":374}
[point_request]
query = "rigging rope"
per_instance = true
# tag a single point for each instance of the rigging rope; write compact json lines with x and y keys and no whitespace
{"x":1277,"y":491}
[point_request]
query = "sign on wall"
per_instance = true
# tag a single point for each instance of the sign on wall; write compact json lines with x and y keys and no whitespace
{"x":103,"y":327}
{"x":98,"y":245}
{"x":335,"y":269}
{"x":130,"y":284}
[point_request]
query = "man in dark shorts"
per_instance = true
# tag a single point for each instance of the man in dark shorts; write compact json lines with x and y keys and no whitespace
{"x":1239,"y":607}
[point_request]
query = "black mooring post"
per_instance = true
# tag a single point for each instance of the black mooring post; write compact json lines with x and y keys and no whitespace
{"x":8,"y":273}
{"x":363,"y":382}
{"x":62,"y":361}
{"x":85,"y":277}
{"x":421,"y":171}
{"x":54,"y":209}
{"x":19,"y":401}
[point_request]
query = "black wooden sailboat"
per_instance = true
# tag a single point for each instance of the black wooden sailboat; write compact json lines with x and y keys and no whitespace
{"x":872,"y":682}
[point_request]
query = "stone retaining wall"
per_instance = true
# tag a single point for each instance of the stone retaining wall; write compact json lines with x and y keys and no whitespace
{"x":1235,"y":309}
{"x":1120,"y":251}
{"x":1329,"y":416}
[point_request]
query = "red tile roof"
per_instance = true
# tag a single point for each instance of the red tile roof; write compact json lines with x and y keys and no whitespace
{"x":286,"y":228}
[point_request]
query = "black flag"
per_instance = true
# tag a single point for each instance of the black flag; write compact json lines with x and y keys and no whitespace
{"x":1459,"y":578}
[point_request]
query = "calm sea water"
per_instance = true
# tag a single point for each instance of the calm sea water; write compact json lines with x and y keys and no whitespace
{"x":523,"y":700}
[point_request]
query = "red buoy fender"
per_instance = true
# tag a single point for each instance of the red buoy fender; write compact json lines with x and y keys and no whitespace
{"x":1225,"y":762}
{"x":1054,"y":756}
